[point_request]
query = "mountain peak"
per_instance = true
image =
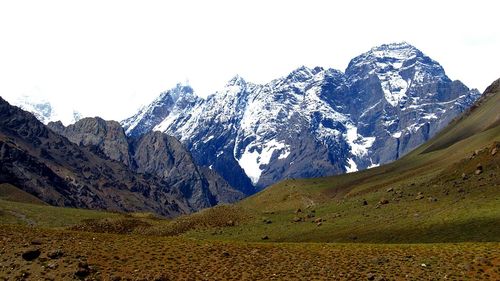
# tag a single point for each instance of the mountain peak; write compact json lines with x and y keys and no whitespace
{"x":400,"y":50}
{"x":302,"y":73}
{"x":237,"y":80}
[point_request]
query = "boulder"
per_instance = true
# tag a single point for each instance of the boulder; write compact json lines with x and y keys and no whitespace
{"x":31,"y":254}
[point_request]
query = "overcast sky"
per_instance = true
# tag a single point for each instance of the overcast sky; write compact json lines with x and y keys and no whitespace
{"x":107,"y":58}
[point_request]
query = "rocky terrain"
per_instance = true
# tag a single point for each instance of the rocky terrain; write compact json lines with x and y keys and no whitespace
{"x":66,"y":255}
{"x":313,"y":122}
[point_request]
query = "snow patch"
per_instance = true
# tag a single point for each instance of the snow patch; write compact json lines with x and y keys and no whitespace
{"x":352,"y":166}
{"x":208,"y":139}
{"x":359,"y":144}
{"x":251,"y":160}
{"x":430,"y":116}
{"x":396,"y":135}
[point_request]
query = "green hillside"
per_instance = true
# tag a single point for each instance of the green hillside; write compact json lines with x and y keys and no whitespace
{"x":431,"y":195}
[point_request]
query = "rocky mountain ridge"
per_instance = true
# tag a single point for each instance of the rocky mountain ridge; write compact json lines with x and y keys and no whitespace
{"x":313,"y":122}
{"x":63,"y":173}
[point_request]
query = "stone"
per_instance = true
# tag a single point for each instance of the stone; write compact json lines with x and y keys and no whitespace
{"x":31,"y":254}
{"x":265,"y":237}
{"x":55,"y":254}
{"x":36,"y":242}
{"x":365,"y":202}
{"x":297,"y":219}
{"x":420,"y":195}
{"x":390,"y":189}
{"x":494,"y":151}
{"x":83,"y":270}
{"x":383,"y":201}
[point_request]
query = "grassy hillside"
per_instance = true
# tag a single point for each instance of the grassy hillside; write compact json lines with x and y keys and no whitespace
{"x":12,"y":212}
{"x":431,"y":195}
{"x":11,"y":193}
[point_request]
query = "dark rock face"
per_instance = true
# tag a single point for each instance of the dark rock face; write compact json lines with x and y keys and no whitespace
{"x":106,"y":136}
{"x":153,"y":153}
{"x":313,"y":122}
{"x":62,"y":173}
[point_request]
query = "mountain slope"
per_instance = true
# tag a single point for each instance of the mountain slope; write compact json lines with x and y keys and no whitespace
{"x":446,"y":190}
{"x":153,"y":153}
{"x":313,"y":122}
{"x":61,"y":173}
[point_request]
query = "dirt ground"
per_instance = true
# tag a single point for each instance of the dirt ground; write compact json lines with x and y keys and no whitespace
{"x":72,"y":255}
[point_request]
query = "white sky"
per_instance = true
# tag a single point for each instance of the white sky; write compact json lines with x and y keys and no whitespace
{"x":107,"y":58}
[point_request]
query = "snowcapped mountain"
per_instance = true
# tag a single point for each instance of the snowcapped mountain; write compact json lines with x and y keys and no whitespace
{"x":44,"y":111}
{"x":313,"y":122}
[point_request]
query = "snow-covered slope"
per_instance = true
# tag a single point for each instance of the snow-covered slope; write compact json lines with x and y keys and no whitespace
{"x":313,"y":122}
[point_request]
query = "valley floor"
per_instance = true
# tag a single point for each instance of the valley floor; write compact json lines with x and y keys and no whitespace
{"x":68,"y":255}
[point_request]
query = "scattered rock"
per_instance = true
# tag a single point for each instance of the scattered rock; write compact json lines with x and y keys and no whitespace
{"x":319,"y":224}
{"x":265,"y":237}
{"x":383,"y":201}
{"x":432,"y":199}
{"x":83,"y":270}
{"x":318,"y":220}
{"x":423,"y":265}
{"x":365,"y":202}
{"x":160,"y":278}
{"x":31,"y":254}
{"x":297,"y":219}
{"x":36,"y":242}
{"x":298,"y":211}
{"x":226,"y":254}
{"x":230,"y":223}
{"x":390,"y":189}
{"x":266,"y":221}
{"x":310,"y":215}
{"x":479,"y":169}
{"x":52,"y":266}
{"x":461,"y":190}
{"x":483,"y":260}
{"x":420,"y":195}
{"x":464,"y":176}
{"x":370,"y":276}
{"x":379,"y":260}
{"x":494,"y":151}
{"x":55,"y":254}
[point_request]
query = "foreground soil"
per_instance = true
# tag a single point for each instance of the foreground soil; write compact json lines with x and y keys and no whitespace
{"x":70,"y":255}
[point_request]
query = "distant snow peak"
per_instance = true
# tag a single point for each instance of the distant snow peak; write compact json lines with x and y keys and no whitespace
{"x":45,"y":111}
